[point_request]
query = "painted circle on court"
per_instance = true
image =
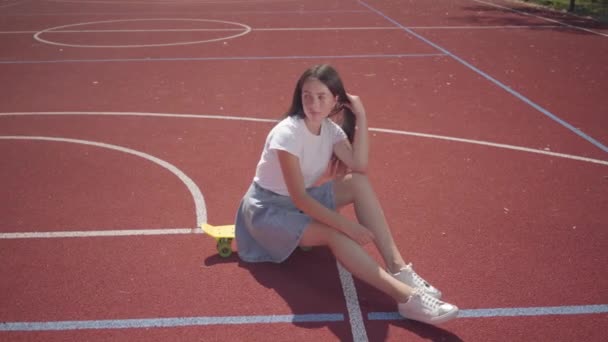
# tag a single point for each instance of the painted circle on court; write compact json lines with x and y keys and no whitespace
{"x":142,"y":29}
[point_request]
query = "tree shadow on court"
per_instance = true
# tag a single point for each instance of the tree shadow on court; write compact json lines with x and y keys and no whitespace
{"x":484,"y":15}
{"x":309,"y":283}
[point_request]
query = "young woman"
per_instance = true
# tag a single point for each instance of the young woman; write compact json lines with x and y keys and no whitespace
{"x":286,"y":207}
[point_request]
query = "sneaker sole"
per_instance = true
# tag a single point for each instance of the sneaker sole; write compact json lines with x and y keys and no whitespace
{"x":437,"y":320}
{"x":447,"y":317}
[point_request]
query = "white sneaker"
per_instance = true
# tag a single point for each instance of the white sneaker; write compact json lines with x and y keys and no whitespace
{"x":408,"y":276}
{"x":427,"y":309}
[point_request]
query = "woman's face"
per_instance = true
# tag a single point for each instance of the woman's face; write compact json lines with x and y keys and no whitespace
{"x":317,"y":100}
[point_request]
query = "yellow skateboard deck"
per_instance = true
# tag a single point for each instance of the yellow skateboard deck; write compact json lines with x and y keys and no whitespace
{"x":223,"y":235}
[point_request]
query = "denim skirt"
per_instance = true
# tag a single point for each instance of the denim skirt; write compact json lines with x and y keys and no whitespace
{"x":269,"y":226}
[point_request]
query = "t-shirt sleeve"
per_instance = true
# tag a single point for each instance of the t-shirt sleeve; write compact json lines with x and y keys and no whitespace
{"x":284,"y":138}
{"x":338,"y":133}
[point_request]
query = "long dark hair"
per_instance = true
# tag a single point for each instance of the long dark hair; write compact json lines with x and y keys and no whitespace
{"x":330,"y":78}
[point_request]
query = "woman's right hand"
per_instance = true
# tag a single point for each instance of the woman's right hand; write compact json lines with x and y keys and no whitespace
{"x":359,"y":233}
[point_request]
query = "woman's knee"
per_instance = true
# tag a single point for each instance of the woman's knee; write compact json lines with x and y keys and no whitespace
{"x":358,"y":179}
{"x":346,"y":189}
{"x":343,"y":191}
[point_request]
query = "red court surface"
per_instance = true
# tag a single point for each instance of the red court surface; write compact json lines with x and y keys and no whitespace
{"x":124,"y":125}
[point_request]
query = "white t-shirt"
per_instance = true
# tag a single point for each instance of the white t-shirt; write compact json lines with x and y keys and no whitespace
{"x":313,"y":151}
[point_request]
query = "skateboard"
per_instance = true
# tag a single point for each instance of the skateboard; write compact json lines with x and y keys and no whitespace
{"x":223,"y":235}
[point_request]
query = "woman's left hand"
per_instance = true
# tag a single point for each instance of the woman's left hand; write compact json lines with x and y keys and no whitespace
{"x":355,"y":105}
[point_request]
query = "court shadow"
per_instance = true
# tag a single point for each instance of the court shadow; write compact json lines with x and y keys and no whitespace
{"x":372,"y":300}
{"x":308,"y":282}
{"x":378,"y":329}
{"x":216,"y":259}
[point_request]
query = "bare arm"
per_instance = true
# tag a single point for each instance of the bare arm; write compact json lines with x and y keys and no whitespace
{"x":355,"y":156}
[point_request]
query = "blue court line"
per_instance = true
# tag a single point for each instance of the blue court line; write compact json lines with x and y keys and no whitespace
{"x":492,"y":79}
{"x":508,"y":312}
{"x":167,"y":322}
{"x":239,"y":58}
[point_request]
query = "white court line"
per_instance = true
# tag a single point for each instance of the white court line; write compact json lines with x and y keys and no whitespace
{"x":169,"y":2}
{"x":489,"y":27}
{"x":497,"y":145}
{"x":303,"y":29}
{"x":465,"y":27}
{"x":201,"y":13}
{"x":197,"y":196}
{"x":382,"y":130}
{"x":98,"y":233}
{"x":245,"y":30}
{"x":363,"y":28}
{"x":540,"y":17}
{"x":355,"y":316}
{"x":145,"y":323}
{"x":172,"y":322}
{"x":225,"y":58}
{"x":509,"y":312}
{"x":11,"y":4}
{"x":149,"y":30}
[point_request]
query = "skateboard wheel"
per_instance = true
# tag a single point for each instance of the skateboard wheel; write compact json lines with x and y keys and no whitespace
{"x":224,"y":248}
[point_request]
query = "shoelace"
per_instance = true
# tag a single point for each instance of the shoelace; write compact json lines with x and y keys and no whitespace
{"x":429,"y":301}
{"x":417,"y":279}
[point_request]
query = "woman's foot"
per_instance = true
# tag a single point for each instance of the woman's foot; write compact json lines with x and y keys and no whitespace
{"x":408,"y":276}
{"x":427,"y":309}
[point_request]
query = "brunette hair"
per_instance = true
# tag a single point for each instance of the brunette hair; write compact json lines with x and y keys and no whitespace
{"x":330,"y":78}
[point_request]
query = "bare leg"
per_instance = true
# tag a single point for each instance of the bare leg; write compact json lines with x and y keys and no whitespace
{"x":356,"y":188}
{"x":356,"y":260}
